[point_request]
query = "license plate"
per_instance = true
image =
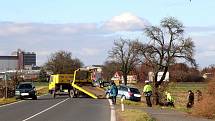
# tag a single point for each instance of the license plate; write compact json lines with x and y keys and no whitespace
{"x":137,"y":95}
{"x":24,"y":94}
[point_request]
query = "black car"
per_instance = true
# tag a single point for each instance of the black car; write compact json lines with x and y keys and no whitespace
{"x":26,"y":90}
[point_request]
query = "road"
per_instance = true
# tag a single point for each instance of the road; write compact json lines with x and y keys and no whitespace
{"x":59,"y":109}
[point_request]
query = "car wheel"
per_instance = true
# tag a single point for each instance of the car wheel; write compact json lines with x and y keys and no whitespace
{"x":53,"y":95}
{"x":107,"y":95}
{"x":123,"y":97}
{"x":35,"y":97}
{"x":17,"y":97}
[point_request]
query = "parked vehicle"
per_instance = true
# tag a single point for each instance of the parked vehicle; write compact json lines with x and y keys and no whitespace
{"x":74,"y":85}
{"x":26,"y":90}
{"x":126,"y":92}
{"x":60,"y":84}
{"x":129,"y":93}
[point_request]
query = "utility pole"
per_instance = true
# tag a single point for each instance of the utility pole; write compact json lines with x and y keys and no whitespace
{"x":5,"y":82}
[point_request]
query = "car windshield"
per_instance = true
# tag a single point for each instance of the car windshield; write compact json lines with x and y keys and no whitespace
{"x":25,"y":86}
{"x":134,"y":90}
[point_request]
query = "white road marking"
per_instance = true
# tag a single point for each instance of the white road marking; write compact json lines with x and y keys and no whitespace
{"x":113,"y":112}
{"x":45,"y":110}
{"x":17,"y":102}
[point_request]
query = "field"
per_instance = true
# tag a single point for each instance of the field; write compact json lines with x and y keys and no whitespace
{"x":180,"y":92}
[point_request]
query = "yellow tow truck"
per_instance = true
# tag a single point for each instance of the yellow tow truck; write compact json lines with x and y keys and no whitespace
{"x":83,"y":83}
{"x":76,"y":84}
{"x":60,"y":84}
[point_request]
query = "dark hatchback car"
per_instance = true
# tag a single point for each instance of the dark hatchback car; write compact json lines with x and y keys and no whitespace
{"x":26,"y":90}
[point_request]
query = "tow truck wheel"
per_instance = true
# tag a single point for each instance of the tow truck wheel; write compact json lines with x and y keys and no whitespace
{"x":72,"y":93}
{"x":53,"y":94}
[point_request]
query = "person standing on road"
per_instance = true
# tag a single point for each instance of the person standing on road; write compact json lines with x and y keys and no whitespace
{"x":147,"y":90}
{"x":113,"y":92}
{"x":190,"y":99}
{"x":169,"y":100}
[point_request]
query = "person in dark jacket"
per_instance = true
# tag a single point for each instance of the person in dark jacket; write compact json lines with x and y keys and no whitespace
{"x":190,"y":99}
{"x":199,"y":95}
{"x":113,"y":92}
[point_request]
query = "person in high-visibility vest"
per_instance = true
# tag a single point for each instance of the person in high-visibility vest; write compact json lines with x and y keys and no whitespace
{"x":148,"y":93}
{"x":169,"y":99}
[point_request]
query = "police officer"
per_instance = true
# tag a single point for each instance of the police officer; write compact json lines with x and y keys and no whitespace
{"x":148,"y":93}
{"x":169,"y":100}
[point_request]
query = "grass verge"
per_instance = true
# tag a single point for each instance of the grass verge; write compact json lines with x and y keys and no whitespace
{"x":42,"y":91}
{"x":4,"y":101}
{"x":133,"y":115}
{"x":131,"y":103}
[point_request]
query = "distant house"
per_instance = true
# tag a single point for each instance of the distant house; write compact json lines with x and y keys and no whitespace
{"x":118,"y":78}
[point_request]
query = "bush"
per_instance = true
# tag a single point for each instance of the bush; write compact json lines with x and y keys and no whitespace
{"x":206,"y":107}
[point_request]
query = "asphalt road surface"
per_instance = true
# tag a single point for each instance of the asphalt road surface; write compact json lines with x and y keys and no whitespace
{"x":59,"y":109}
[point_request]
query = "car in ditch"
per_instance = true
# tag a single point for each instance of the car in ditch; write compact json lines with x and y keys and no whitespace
{"x":126,"y":92}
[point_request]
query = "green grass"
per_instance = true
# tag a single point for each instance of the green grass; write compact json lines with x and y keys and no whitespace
{"x":133,"y":115}
{"x":180,"y":92}
{"x":185,"y":86}
{"x":130,"y":103}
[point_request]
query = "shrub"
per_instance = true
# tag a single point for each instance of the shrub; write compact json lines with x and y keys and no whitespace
{"x":206,"y":107}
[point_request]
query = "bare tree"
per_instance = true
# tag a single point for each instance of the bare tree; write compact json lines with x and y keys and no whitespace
{"x":62,"y":62}
{"x":167,"y":45}
{"x":126,"y":54}
{"x":109,"y":68}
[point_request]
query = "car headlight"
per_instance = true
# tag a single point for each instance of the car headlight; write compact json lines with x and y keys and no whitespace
{"x":17,"y":92}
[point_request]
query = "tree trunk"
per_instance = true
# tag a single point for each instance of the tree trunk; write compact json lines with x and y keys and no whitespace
{"x":155,"y":90}
{"x":125,"y":79}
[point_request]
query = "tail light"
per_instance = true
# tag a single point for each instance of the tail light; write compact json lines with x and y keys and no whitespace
{"x":130,"y":94}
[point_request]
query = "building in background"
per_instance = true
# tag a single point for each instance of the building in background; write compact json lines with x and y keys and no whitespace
{"x":8,"y":63}
{"x":26,"y":60}
{"x":17,"y":61}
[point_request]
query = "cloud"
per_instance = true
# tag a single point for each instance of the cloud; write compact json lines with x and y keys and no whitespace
{"x":85,"y":40}
{"x":205,"y":49}
{"x":125,"y":22}
{"x":91,"y":42}
{"x":11,"y":28}
{"x":89,"y":52}
{"x":200,"y":30}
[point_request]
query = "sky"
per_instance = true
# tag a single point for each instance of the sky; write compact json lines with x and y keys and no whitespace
{"x":88,"y":29}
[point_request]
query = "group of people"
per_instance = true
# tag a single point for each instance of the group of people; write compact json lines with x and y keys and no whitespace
{"x":147,"y":90}
{"x":191,"y":98}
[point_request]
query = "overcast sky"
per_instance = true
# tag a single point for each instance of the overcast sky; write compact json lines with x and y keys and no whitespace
{"x":88,"y":28}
